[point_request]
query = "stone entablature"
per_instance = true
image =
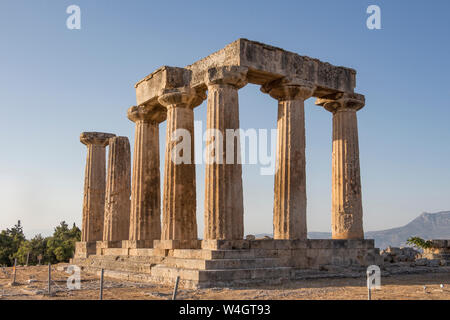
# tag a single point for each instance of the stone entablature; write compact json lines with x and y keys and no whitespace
{"x":265,"y":64}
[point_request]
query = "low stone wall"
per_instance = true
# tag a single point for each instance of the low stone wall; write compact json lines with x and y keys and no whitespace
{"x":440,"y":249}
{"x":402,"y":254}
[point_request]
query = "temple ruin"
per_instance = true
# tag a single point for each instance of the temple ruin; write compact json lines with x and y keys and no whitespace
{"x":154,"y":239}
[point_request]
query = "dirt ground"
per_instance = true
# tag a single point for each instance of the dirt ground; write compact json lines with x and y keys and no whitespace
{"x":419,"y":286}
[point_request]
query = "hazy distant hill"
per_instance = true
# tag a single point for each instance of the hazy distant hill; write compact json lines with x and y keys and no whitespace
{"x":427,"y":226}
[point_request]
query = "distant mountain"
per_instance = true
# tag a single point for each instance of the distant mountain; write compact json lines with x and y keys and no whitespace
{"x":426,"y":226}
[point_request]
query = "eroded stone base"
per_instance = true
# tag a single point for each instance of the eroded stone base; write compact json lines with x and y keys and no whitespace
{"x":222,"y":263}
{"x":85,"y":249}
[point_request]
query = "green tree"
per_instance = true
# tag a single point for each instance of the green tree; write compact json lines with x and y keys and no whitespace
{"x":419,"y":243}
{"x":34,"y":247}
{"x":10,"y":241}
{"x":57,"y":248}
{"x":61,"y":246}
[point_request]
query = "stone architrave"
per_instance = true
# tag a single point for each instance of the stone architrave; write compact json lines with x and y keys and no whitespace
{"x":179,"y":199}
{"x":224,"y":207}
{"x":347,"y":211}
{"x":94,"y":185}
{"x":118,"y":190}
{"x":145,"y":217}
{"x":289,"y":213}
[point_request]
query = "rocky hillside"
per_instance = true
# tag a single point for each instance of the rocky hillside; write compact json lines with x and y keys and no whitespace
{"x":426,"y":226}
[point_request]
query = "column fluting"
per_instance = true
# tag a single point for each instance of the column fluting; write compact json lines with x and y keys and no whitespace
{"x":289,"y":212}
{"x":94,"y":185}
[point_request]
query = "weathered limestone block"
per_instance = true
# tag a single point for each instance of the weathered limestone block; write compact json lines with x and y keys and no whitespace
{"x":440,"y":249}
{"x":224,"y":204}
{"x":118,"y":190}
{"x":145,"y":217}
{"x":179,"y":203}
{"x":265,"y":63}
{"x":94,"y":185}
{"x":347,"y":212}
{"x":149,"y":88}
{"x":84,"y":249}
{"x":289,"y":214}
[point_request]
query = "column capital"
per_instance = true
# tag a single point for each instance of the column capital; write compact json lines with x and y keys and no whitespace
{"x":181,"y":97}
{"x":96,"y":138}
{"x":147,"y":113}
{"x":235,"y":76}
{"x":289,"y":88}
{"x":342,"y":101}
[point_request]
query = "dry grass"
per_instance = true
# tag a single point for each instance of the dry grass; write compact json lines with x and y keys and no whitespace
{"x":393,"y":288}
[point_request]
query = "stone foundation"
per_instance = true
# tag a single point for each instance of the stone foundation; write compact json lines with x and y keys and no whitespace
{"x":85,"y":249}
{"x":228,"y":263}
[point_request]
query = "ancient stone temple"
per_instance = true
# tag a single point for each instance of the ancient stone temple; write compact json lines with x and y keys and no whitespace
{"x":146,"y":237}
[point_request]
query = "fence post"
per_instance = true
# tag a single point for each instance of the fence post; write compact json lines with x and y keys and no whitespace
{"x":101,"y":283}
{"x":49,"y":279}
{"x":174,"y":296}
{"x":14,"y":272}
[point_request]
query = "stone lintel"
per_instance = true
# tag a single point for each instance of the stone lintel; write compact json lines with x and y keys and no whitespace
{"x":149,"y":88}
{"x":265,"y":64}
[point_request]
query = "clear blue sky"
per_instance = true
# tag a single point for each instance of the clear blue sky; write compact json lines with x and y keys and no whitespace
{"x":56,"y":83}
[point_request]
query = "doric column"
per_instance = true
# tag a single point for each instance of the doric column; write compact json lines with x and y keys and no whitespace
{"x":289,"y":213}
{"x":94,"y":185}
{"x":145,"y":216}
{"x":179,"y":199}
{"x":347,"y":212}
{"x":118,"y":189}
{"x":224,"y":207}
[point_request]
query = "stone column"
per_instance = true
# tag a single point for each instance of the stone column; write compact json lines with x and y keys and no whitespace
{"x":347,"y":212}
{"x":145,"y":218}
{"x":224,"y":206}
{"x":179,"y":200}
{"x":94,"y":185}
{"x":289,"y":213}
{"x":118,"y":189}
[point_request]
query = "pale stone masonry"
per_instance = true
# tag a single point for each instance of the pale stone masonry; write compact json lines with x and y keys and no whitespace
{"x":145,"y":216}
{"x":224,"y":204}
{"x":179,"y":202}
{"x":347,"y":212}
{"x":162,"y":248}
{"x":289,"y":213}
{"x":94,"y":185}
{"x":118,"y":190}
